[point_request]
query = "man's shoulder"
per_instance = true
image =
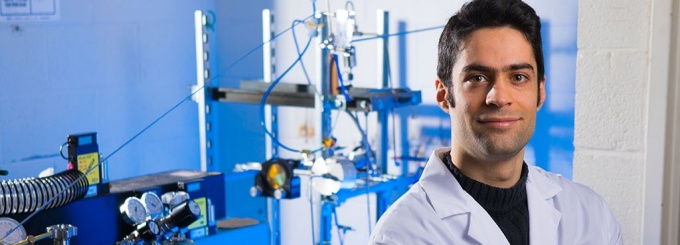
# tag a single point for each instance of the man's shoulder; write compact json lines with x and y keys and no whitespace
{"x":410,"y":205}
{"x":567,"y":186}
{"x":406,"y":220}
{"x":580,"y":207}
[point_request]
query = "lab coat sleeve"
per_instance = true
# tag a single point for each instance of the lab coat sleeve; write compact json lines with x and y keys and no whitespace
{"x":614,"y":228}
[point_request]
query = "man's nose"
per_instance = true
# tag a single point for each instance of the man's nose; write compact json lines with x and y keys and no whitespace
{"x":499,"y":94}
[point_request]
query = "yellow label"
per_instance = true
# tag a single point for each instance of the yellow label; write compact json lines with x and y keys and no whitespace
{"x":201,"y":220}
{"x":87,"y":161}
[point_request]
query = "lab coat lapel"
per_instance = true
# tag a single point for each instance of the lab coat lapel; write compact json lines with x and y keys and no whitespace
{"x":483,"y":229}
{"x":544,"y":219}
{"x":449,"y":199}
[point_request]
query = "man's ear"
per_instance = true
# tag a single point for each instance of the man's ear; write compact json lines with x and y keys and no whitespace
{"x":541,"y":93}
{"x":442,"y":95}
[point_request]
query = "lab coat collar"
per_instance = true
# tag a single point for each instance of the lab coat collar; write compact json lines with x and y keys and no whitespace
{"x":445,"y":195}
{"x":442,"y":188}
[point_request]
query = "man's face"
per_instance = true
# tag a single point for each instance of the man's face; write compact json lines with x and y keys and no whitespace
{"x":495,"y":93}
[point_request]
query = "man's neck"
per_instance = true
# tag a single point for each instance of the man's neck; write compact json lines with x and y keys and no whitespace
{"x":501,"y":173}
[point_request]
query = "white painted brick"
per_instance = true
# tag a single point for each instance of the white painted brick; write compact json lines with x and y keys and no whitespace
{"x":620,"y":186}
{"x":613,"y":24}
{"x":611,"y":93}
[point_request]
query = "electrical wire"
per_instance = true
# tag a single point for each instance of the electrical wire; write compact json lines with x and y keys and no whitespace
{"x":302,"y":63}
{"x":343,"y":89}
{"x":369,"y":166}
{"x":341,"y":238}
{"x":269,"y":90}
{"x":394,"y":124}
{"x":347,"y":4}
{"x":396,"y":34}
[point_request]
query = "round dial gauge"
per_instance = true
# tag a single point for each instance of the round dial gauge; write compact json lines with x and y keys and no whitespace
{"x":6,"y":225}
{"x":153,"y":204}
{"x":133,"y":211}
{"x":153,"y":227}
{"x":172,"y":199}
{"x":194,"y":208}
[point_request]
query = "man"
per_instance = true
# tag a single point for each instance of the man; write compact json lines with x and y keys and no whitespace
{"x":479,"y":191}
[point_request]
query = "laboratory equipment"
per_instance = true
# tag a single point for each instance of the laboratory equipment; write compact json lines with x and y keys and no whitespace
{"x":83,"y":155}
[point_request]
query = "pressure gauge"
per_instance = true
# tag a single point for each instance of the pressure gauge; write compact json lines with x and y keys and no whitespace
{"x":172,"y":199}
{"x":153,"y":204}
{"x":6,"y":225}
{"x":133,"y":211}
{"x":148,"y":231}
{"x":194,"y":208}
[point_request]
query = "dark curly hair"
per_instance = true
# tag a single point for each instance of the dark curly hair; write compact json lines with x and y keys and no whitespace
{"x":479,"y":14}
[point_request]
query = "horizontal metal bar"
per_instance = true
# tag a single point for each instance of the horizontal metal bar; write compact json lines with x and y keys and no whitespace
{"x":254,"y":97}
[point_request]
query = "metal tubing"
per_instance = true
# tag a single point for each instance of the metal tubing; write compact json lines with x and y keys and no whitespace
{"x":325,"y":82}
{"x":326,"y":223}
{"x":203,"y":74}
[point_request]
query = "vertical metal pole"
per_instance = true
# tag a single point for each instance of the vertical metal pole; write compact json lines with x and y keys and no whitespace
{"x":322,"y":106}
{"x":324,"y":79}
{"x":326,"y":223}
{"x":270,"y":118}
{"x":203,"y":97}
{"x":382,"y":129}
{"x":269,"y":74}
{"x":275,"y":222}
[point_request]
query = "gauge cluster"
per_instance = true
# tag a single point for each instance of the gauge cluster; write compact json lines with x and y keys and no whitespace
{"x":169,"y":205}
{"x":158,"y":219}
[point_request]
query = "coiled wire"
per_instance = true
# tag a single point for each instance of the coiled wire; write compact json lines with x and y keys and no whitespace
{"x":28,"y":194}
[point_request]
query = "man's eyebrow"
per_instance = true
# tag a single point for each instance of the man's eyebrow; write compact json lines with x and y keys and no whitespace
{"x":477,"y":67}
{"x":487,"y":69}
{"x":520,"y":66}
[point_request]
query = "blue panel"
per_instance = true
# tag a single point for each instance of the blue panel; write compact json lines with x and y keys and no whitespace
{"x":252,"y":235}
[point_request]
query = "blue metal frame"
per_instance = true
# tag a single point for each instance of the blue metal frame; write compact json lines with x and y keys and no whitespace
{"x":383,"y":116}
{"x":384,"y":190}
{"x":271,"y":117}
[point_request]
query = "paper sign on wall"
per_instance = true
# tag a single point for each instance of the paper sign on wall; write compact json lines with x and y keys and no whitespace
{"x":29,"y":10}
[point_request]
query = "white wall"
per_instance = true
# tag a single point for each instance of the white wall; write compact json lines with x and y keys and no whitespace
{"x":622,"y":75}
{"x":107,"y":67}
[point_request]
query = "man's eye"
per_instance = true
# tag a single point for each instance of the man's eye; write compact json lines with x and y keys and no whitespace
{"x":520,"y":78}
{"x":477,"y":79}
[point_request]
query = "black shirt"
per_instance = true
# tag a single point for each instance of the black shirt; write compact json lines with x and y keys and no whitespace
{"x":506,"y":206}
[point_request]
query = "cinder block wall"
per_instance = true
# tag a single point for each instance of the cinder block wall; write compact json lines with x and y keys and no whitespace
{"x":619,"y":116}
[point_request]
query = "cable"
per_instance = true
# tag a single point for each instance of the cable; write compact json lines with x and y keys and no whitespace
{"x":341,"y":238}
{"x":342,"y":83}
{"x":369,"y":167}
{"x":364,"y":141}
{"x":397,"y":34}
{"x":394,"y":124}
{"x":349,"y":3}
{"x":269,"y":90}
{"x":302,"y":63}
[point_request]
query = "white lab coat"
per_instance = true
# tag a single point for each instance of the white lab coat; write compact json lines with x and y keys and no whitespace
{"x":436,"y":210}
